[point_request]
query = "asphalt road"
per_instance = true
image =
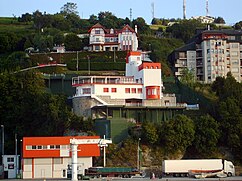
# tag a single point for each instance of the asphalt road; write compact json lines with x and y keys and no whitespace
{"x":139,"y":179}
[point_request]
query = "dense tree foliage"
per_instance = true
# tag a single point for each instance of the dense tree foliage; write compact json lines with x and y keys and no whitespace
{"x":207,"y":134}
{"x":229,"y":112}
{"x":69,"y":8}
{"x":150,"y":132}
{"x":185,"y":29}
{"x":238,"y":25}
{"x":25,"y":106}
{"x":178,"y":134}
{"x":219,"y":20}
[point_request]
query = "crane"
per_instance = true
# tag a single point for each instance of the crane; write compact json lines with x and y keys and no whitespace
{"x":74,"y":144}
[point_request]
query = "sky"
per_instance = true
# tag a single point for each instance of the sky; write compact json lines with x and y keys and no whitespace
{"x":230,"y":10}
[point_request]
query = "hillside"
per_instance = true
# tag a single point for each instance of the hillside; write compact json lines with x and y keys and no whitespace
{"x":202,"y":133}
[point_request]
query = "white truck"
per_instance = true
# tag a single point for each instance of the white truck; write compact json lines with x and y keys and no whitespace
{"x":182,"y":168}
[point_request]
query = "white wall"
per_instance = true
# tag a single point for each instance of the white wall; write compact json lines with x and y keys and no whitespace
{"x":48,"y":168}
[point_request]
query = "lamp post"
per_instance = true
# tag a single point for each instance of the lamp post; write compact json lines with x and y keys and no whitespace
{"x":2,"y":126}
{"x":89,"y":65}
{"x":16,"y":153}
{"x":138,"y":158}
{"x":77,"y":62}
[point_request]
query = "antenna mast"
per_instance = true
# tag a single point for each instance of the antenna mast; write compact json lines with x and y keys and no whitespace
{"x":153,"y":10}
{"x":184,"y":9}
{"x":130,"y":16}
{"x":207,"y":12}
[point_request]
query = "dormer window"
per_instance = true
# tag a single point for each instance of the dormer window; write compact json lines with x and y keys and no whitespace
{"x":97,"y":31}
{"x":111,"y":31}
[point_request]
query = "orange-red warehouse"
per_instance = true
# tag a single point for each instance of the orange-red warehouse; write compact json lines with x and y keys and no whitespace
{"x":49,"y":157}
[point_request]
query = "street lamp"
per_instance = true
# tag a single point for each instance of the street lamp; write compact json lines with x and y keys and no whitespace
{"x":138,"y":158}
{"x":2,"y":126}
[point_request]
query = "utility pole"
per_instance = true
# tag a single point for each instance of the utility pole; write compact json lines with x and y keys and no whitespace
{"x":16,"y":153}
{"x":138,"y":158}
{"x":77,"y":62}
{"x":89,"y":65}
{"x":2,"y":126}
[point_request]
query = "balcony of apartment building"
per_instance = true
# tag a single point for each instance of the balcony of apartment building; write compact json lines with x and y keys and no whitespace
{"x":181,"y":63}
{"x":199,"y":71}
{"x":178,"y":73}
{"x":198,"y":47}
{"x":199,"y":63}
{"x":182,"y":55}
{"x":199,"y":55}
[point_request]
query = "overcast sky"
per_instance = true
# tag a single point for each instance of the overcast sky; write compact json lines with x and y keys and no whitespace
{"x":230,"y":10}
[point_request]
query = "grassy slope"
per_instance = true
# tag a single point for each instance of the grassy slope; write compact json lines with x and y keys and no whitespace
{"x":11,"y":25}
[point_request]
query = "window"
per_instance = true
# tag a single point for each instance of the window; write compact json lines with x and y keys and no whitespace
{"x":133,"y":90}
{"x":57,"y":146}
{"x":234,"y":53}
{"x":33,"y":147}
{"x":105,"y":89}
{"x":28,"y":147}
{"x":235,"y":62}
{"x":39,"y":147}
{"x":127,"y":90}
{"x":236,"y":70}
{"x":86,"y":91}
{"x":231,"y":37}
{"x":234,"y":45}
{"x":52,"y":146}
{"x":97,"y":31}
{"x":139,"y":90}
{"x":97,"y":48}
{"x":114,"y":89}
{"x":10,"y":159}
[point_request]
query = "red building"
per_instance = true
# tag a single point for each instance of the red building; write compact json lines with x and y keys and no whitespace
{"x":49,"y":157}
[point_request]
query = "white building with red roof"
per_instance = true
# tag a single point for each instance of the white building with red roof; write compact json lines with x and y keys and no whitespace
{"x":141,"y":86}
{"x":102,"y":39}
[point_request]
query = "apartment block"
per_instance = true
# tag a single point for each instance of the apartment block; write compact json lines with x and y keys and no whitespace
{"x":210,"y":54}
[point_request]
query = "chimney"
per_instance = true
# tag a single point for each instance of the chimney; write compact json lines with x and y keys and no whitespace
{"x":136,"y":29}
{"x":209,"y":27}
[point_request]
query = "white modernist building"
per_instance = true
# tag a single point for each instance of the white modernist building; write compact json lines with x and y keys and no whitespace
{"x":141,"y":86}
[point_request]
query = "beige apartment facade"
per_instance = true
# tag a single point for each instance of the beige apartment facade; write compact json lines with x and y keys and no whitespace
{"x":213,"y":53}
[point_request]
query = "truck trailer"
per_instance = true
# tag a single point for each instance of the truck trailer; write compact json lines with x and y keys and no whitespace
{"x":182,"y":168}
{"x":124,"y":172}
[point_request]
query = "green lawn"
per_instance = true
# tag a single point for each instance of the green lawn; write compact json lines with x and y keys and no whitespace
{"x":8,"y":24}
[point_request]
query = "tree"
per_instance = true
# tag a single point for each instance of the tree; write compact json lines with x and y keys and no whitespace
{"x":108,"y":20}
{"x":69,"y":8}
{"x":188,"y":77}
{"x":59,"y":22}
{"x":238,"y":25}
{"x":178,"y":134}
{"x":185,"y":29}
{"x":206,"y":136}
{"x":93,"y":19}
{"x":219,"y":20}
{"x":73,"y":42}
{"x":142,"y":26}
{"x":149,"y":132}
{"x":25,"y":18}
{"x":229,"y":112}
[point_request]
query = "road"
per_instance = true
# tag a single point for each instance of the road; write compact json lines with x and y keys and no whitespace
{"x":139,"y":179}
